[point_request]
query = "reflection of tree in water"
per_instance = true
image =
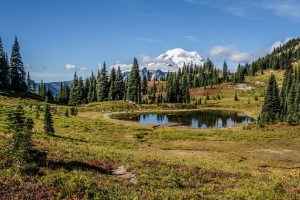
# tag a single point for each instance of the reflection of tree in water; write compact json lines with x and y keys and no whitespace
{"x":160,"y":118}
{"x":207,"y":119}
{"x":200,"y":119}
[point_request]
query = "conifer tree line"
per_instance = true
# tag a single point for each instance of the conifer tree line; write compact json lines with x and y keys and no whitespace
{"x":12,"y":74}
{"x":281,"y":58}
{"x":284,"y":104}
{"x":103,"y":87}
{"x":280,"y":104}
{"x":134,"y":87}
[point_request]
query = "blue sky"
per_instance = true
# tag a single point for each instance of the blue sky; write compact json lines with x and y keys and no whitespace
{"x":59,"y":36}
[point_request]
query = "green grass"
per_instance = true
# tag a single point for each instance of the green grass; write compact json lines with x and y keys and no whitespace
{"x":170,"y":163}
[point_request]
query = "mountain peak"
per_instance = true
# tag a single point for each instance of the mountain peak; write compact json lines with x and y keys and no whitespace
{"x":179,"y":56}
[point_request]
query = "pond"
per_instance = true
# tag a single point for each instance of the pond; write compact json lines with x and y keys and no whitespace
{"x":195,"y":119}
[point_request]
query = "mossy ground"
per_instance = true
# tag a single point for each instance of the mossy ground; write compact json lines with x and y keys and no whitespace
{"x":242,"y":162}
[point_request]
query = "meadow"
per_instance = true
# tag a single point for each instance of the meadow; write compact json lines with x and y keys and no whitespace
{"x":78,"y":162}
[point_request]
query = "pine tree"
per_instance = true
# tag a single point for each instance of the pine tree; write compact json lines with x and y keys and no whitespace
{"x":236,"y":96}
{"x":73,"y":97}
{"x":134,"y":83}
{"x":17,"y":72}
{"x":4,"y":69}
{"x":67,"y":112}
{"x":102,"y":85}
{"x":28,"y":83}
{"x":49,"y":93}
{"x":73,"y":111}
{"x":148,"y":76}
{"x":225,"y":71}
{"x":144,"y":85}
{"x":48,"y":121}
{"x":112,"y":89}
{"x":80,"y":91}
{"x":92,"y":97}
{"x":33,"y":87}
{"x":271,"y":104}
{"x":119,"y":84}
{"x":21,"y":129}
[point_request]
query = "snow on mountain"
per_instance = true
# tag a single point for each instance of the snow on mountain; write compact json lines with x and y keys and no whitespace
{"x":170,"y":61}
{"x":180,"y":56}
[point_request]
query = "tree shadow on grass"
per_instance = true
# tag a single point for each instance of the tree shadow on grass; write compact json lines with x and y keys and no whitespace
{"x":72,"y":165}
{"x":38,"y":159}
{"x":68,"y":138}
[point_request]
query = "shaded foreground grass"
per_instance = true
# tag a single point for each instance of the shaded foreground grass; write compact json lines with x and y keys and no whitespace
{"x":170,"y":163}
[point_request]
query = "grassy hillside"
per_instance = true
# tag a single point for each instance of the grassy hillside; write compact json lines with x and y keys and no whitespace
{"x":242,"y":162}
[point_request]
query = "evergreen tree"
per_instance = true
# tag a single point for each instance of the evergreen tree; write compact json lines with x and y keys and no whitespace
{"x":4,"y":69}
{"x":17,"y":72}
{"x":225,"y":71}
{"x":102,"y":85}
{"x":119,"y":84}
{"x":144,"y":85}
{"x":148,"y":76}
{"x":21,"y":129}
{"x":80,"y":91}
{"x":28,"y":84}
{"x":73,"y":111}
{"x":73,"y":97}
{"x":33,"y":87}
{"x":112,"y":89}
{"x":271,"y":104}
{"x":134,"y":83}
{"x":67,"y":112}
{"x":64,"y":97}
{"x":236,"y":96}
{"x":49,"y":93}
{"x":92,"y":96}
{"x":48,"y":121}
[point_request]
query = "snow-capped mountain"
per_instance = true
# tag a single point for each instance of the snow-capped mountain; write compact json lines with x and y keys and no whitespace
{"x":180,"y":56}
{"x":170,"y":61}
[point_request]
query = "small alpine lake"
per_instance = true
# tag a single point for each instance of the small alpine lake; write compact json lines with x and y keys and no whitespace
{"x":194,"y":119}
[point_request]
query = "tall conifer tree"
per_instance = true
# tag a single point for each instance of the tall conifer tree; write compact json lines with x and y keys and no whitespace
{"x":102,"y":84}
{"x":134,"y":83}
{"x":112,"y":88}
{"x":73,"y":98}
{"x":271,"y":106}
{"x":17,"y":72}
{"x":48,"y":121}
{"x":4,"y":69}
{"x":119,"y":84}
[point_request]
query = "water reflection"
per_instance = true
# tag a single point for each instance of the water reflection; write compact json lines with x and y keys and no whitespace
{"x":199,"y":119}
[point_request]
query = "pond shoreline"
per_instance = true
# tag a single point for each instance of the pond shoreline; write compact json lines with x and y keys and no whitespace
{"x":247,"y":113}
{"x":108,"y":114}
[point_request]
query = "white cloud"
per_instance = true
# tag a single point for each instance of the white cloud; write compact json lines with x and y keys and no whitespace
{"x":28,"y":65}
{"x":47,"y":68}
{"x":191,"y":38}
{"x":99,"y":65}
{"x":237,"y":11}
{"x":221,"y":51}
{"x":240,"y":57}
{"x":123,"y":67}
{"x":73,"y":67}
{"x":278,"y":44}
{"x":148,"y":40}
{"x":286,"y":8}
{"x":230,"y":53}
